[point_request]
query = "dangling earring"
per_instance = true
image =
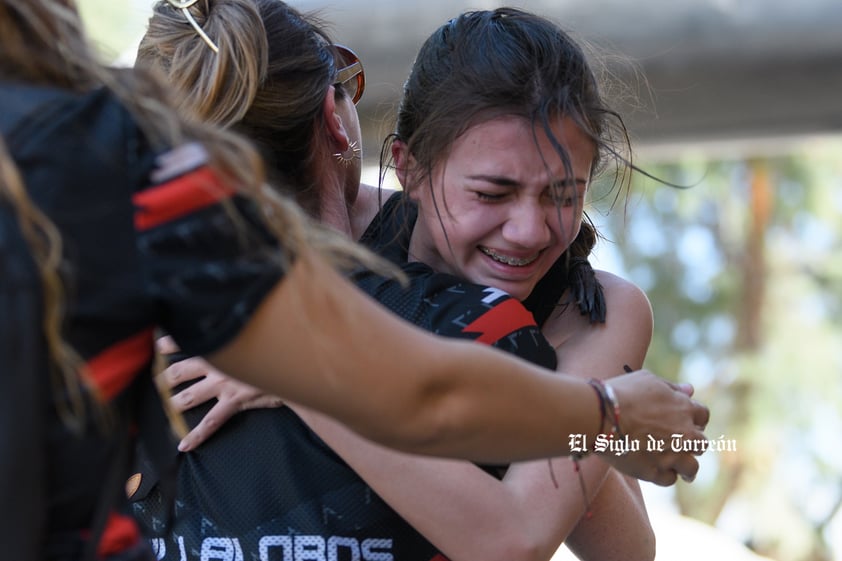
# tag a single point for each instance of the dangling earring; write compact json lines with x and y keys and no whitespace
{"x":351,"y":153}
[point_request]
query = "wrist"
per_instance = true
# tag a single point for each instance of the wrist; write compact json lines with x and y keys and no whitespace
{"x":609,"y":408}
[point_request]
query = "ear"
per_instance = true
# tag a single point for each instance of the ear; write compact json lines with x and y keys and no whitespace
{"x":404,"y":163}
{"x":335,"y":127}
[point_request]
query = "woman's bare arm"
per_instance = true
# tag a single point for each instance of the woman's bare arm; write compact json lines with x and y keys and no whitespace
{"x":468,"y":514}
{"x":462,"y":510}
{"x":312,"y":342}
{"x":619,"y":526}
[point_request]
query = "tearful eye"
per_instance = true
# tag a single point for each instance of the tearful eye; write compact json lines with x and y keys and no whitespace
{"x":565,"y":195}
{"x":484,"y":196}
{"x":562,"y":198}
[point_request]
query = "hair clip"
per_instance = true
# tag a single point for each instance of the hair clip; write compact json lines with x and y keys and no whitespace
{"x":183,"y":5}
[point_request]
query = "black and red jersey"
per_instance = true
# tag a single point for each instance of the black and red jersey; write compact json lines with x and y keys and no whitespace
{"x":145,"y":245}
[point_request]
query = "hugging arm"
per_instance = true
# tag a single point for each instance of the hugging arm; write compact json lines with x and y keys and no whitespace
{"x":619,"y":526}
{"x":469,"y":514}
{"x":453,"y":398}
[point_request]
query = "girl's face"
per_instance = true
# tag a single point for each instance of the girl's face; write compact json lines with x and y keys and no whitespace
{"x":507,"y":207}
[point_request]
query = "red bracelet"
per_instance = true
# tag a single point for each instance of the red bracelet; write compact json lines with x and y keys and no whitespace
{"x":608,"y":403}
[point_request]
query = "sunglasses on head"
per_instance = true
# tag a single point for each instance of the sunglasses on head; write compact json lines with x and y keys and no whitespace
{"x":350,"y":75}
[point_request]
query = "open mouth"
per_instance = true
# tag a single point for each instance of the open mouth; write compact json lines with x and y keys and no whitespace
{"x":508,"y":260}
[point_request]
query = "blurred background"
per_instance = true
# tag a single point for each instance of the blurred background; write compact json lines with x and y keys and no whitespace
{"x":742,"y":101}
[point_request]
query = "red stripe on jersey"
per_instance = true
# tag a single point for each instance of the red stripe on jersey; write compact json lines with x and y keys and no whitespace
{"x":176,"y":198}
{"x":500,"y":320}
{"x":115,"y":367}
{"x":120,"y":534}
{"x":439,"y":557}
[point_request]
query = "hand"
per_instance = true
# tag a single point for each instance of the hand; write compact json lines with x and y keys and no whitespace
{"x":653,"y":407}
{"x":232,"y":396}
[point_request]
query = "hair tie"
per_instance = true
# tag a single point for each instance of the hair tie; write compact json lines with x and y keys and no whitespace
{"x":183,"y":5}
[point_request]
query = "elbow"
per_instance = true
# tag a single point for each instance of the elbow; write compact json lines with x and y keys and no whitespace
{"x":518,"y":545}
{"x":648,"y":546}
{"x":643,"y":549}
{"x":527,"y":552}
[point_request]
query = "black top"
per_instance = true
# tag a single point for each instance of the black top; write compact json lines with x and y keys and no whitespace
{"x":138,"y":254}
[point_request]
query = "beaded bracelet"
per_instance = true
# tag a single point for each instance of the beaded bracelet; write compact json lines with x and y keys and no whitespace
{"x":608,"y":405}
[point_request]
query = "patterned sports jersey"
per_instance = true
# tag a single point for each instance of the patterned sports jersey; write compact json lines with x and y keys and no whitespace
{"x":145,"y":244}
{"x":267,"y":488}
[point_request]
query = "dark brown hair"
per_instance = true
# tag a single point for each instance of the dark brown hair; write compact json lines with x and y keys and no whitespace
{"x":507,"y":62}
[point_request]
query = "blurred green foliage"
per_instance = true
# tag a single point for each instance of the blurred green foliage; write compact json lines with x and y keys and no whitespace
{"x":744,"y":271}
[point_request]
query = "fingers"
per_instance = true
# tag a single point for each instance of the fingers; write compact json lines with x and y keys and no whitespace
{"x":198,"y":393}
{"x":701,"y":415}
{"x":660,"y":468}
{"x":166,"y":345}
{"x":218,"y":415}
{"x":232,"y":397}
{"x":681,"y":387}
{"x":263,"y":402}
{"x":686,"y":467}
{"x":664,"y":415}
{"x":664,"y":477}
{"x":183,"y":371}
{"x":686,"y":389}
{"x":209,"y":424}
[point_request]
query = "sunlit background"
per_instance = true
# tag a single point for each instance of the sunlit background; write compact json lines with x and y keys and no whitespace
{"x":741,"y":101}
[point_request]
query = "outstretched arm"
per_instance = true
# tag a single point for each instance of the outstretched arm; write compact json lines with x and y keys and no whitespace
{"x":453,"y":398}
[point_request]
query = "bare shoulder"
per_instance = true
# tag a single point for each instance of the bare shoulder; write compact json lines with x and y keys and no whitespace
{"x":623,"y":297}
{"x":628,"y":312}
{"x":603,"y":349}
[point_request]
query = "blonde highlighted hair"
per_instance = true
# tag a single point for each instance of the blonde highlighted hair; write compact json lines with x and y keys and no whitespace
{"x":268,"y":81}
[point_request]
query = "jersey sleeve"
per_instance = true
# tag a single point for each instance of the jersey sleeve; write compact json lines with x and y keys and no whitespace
{"x":208,"y":258}
{"x":487,"y":315}
{"x":451,"y":307}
